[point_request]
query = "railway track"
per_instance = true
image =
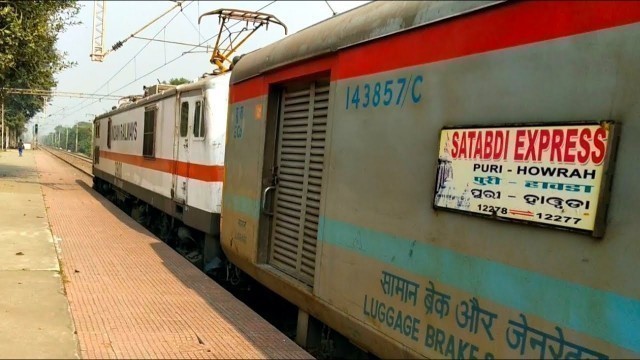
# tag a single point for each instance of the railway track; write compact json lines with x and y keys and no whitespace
{"x":80,"y":162}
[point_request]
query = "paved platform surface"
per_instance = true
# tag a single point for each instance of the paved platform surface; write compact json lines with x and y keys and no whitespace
{"x":132,"y":296}
{"x":35,"y":321}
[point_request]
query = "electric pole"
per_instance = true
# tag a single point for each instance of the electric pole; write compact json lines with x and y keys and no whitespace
{"x":76,"y":137}
{"x":2,"y":99}
{"x":98,"y":48}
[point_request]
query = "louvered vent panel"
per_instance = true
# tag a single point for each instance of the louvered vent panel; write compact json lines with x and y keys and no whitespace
{"x":302,"y":134}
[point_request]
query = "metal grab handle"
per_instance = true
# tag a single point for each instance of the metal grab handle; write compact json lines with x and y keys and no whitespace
{"x":264,"y":200}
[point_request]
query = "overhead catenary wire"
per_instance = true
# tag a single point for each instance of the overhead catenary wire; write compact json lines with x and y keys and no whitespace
{"x":333,"y":11}
{"x":136,"y":79}
{"x":161,"y":66}
{"x":119,"y":44}
{"x":130,"y":60}
{"x":192,"y":24}
{"x":51,"y":93}
{"x":156,"y":69}
{"x":173,"y":42}
{"x":145,"y":45}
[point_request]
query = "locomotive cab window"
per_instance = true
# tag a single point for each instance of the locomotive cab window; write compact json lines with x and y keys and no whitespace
{"x":198,"y":121}
{"x":184,"y":119}
{"x":148,"y":142}
{"x":97,"y":129}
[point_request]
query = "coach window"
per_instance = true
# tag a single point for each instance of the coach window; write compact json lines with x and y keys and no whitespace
{"x":198,"y":121}
{"x":148,"y":141}
{"x":184,"y":119}
{"x":109,"y":133}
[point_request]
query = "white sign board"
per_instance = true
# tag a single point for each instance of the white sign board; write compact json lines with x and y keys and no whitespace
{"x":550,"y":175}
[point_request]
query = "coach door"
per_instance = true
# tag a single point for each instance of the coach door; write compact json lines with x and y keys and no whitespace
{"x":181,"y":182}
{"x":299,"y":163}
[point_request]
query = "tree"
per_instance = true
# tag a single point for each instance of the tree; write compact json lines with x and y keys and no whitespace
{"x":28,"y":55}
{"x":58,"y":137}
{"x":177,"y":81}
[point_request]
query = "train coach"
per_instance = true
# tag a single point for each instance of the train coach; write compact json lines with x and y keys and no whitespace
{"x":446,"y":179}
{"x":162,"y":157}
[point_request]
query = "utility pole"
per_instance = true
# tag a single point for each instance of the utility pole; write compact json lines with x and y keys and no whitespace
{"x":2,"y":99}
{"x":66,"y":142}
{"x":76,"y":137}
{"x":91,"y":146}
{"x":44,"y":118}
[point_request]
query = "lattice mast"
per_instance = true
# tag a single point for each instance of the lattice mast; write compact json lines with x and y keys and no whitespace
{"x":97,"y":46}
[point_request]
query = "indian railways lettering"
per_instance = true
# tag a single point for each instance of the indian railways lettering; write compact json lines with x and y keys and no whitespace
{"x":125,"y":131}
{"x":560,"y":145}
{"x":455,"y":334}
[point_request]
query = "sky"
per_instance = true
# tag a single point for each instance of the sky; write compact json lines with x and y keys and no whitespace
{"x":126,"y":70}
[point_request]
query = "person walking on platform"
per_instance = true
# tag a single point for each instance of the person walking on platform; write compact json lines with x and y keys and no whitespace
{"x":20,"y":147}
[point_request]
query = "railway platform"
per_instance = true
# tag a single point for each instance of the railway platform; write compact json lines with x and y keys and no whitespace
{"x":129,"y":295}
{"x":35,"y":321}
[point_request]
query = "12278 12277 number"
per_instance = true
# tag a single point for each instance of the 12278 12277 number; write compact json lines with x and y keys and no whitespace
{"x":558,"y":218}
{"x":385,"y":93}
{"x":498,"y":210}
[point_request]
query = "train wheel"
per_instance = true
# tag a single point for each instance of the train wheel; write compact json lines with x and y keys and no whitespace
{"x":139,"y":213}
{"x":164,"y":228}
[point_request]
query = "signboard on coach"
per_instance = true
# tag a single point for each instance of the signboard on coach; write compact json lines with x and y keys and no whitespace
{"x":550,"y":175}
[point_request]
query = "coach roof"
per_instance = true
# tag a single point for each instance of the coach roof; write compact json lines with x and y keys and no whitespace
{"x":202,"y":83}
{"x":364,"y":23}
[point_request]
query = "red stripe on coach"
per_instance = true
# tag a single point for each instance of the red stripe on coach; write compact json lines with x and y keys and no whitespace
{"x":495,"y":28}
{"x":208,"y":173}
